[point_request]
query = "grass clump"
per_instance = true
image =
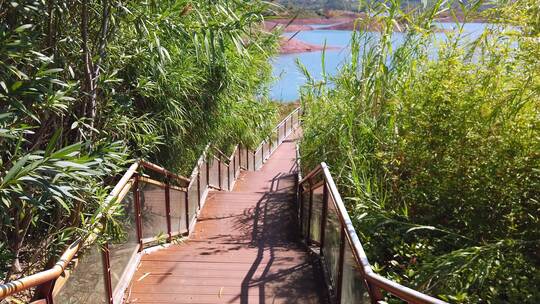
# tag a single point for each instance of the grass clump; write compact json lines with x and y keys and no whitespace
{"x":434,"y":141}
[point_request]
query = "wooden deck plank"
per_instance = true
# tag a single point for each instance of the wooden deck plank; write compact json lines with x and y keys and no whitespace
{"x":245,"y":248}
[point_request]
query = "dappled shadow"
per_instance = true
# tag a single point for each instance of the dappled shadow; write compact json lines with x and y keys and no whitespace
{"x":246,"y":246}
{"x":273,"y":229}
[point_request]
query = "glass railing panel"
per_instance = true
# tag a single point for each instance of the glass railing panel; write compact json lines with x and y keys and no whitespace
{"x":316,"y":214}
{"x":332,"y":240}
{"x":86,"y":283}
{"x":123,"y":251}
{"x":249,"y":158}
{"x":271,"y":143}
{"x":264,"y":150}
{"x":242,"y":157}
{"x":153,"y":210}
{"x":224,"y":176}
{"x":202,"y":178}
{"x":290,"y":124}
{"x":237,"y":161}
{"x":178,"y":211}
{"x":231,"y":176}
{"x":305,"y":212}
{"x":193,"y":201}
{"x":214,"y":173}
{"x":353,"y":288}
{"x":258,"y":159}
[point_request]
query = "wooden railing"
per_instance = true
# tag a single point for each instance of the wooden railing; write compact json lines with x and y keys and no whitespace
{"x":329,"y":232}
{"x":158,"y":205}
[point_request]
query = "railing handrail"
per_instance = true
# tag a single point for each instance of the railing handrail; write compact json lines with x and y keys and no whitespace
{"x":56,"y":271}
{"x":281,"y":123}
{"x":402,"y":292}
{"x":222,"y":154}
{"x":41,"y":277}
{"x":163,"y":171}
{"x":287,"y":117}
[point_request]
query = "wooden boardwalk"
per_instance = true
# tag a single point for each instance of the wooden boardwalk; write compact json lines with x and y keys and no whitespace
{"x":245,"y":248}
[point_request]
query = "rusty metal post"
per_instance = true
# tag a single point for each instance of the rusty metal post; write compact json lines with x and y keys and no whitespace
{"x":234,"y":162}
{"x":310,"y":212}
{"x":137,"y":203}
{"x":254,"y":160}
{"x":207,"y":172}
{"x":292,"y":123}
{"x":187,"y":210}
{"x":168,"y":207}
{"x":105,"y":256}
{"x":340,"y":265}
{"x":247,"y":159}
{"x":300,"y":190}
{"x":229,"y":177}
{"x":199,"y":187}
{"x":324,"y":215}
{"x":44,"y":293}
{"x":219,"y":174}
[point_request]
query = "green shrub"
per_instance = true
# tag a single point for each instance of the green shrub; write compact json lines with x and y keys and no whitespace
{"x":109,"y":82}
{"x":437,"y":153}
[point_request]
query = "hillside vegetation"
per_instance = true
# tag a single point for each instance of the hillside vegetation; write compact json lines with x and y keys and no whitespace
{"x":88,"y":86}
{"x":437,"y":152}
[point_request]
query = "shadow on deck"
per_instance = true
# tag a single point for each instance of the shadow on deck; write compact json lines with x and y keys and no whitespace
{"x":245,"y":248}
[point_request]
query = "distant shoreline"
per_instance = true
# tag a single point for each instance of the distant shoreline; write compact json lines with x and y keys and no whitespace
{"x":293,"y":46}
{"x":340,"y":23}
{"x":347,"y":22}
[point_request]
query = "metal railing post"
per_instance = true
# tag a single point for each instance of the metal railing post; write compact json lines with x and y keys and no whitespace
{"x":301,"y":206}
{"x":105,"y":256}
{"x":310,"y":211}
{"x":229,"y":177}
{"x":168,"y":207}
{"x":247,"y":159}
{"x":44,"y":292}
{"x":340,"y":265}
{"x":187,"y":211}
{"x":219,"y":174}
{"x":324,"y":215}
{"x":234,"y":162}
{"x":207,"y":172}
{"x":137,"y":203}
{"x":199,"y":188}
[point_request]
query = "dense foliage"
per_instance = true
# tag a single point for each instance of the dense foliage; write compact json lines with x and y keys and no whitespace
{"x":435,"y":143}
{"x":87,"y":85}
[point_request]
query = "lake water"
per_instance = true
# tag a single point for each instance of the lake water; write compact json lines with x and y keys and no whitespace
{"x":290,"y":79}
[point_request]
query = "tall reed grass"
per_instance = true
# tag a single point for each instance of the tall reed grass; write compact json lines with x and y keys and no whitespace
{"x":435,"y":143}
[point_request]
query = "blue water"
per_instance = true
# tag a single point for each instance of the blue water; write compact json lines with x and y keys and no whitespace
{"x":289,"y":78}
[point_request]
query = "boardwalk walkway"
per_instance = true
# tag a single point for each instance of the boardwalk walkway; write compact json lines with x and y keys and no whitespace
{"x":245,"y":248}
